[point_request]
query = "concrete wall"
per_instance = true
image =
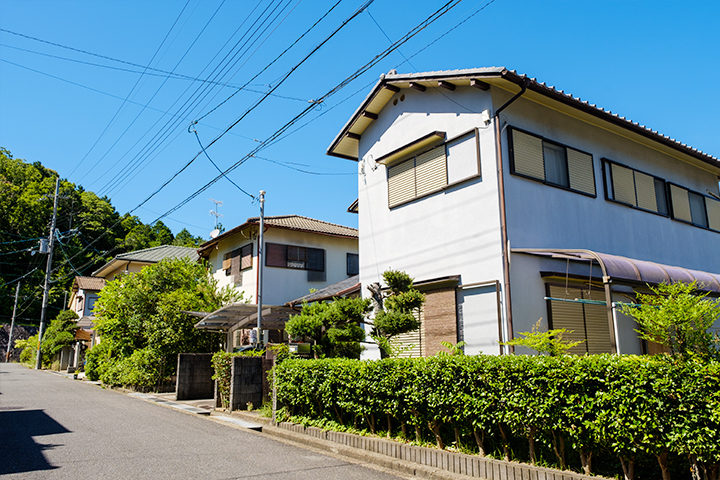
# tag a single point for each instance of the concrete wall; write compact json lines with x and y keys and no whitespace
{"x":246,"y":385}
{"x":194,"y":376}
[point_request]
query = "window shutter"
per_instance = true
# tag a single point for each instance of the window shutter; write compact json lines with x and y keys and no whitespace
{"x":430,"y":171}
{"x":568,"y":315}
{"x":246,"y":256}
{"x":645,"y":188}
{"x":401,"y":182}
{"x":227,"y":262}
{"x":276,"y":255}
{"x":528,"y":155}
{"x":580,"y":167}
{"x":597,"y":329}
{"x":411,"y":338}
{"x":316,"y":259}
{"x":623,"y":184}
{"x":713,"y":213}
{"x":680,"y":203}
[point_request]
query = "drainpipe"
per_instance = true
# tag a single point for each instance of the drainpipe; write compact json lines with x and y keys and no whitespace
{"x":503,"y":213}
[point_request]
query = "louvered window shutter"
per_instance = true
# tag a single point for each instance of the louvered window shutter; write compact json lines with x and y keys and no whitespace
{"x":713,"y":213}
{"x":623,"y":184}
{"x":410,"y":343}
{"x":528,"y":155}
{"x":580,"y":168}
{"x":645,"y":190}
{"x":246,"y":256}
{"x":680,"y":203}
{"x":570,"y":316}
{"x":597,"y":329}
{"x":276,"y":255}
{"x":430,"y":171}
{"x":401,"y":182}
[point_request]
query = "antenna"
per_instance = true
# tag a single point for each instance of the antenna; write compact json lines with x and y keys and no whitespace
{"x":218,"y":203}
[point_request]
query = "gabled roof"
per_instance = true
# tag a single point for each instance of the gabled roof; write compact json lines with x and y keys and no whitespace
{"x":290,"y":222}
{"x":345,"y":144}
{"x":88,"y":283}
{"x":149,"y":255}
{"x":341,"y":289}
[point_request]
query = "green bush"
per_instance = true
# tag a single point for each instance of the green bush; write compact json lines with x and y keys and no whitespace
{"x":610,"y":411}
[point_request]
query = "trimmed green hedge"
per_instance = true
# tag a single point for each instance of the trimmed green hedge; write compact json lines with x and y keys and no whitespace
{"x":619,"y":410}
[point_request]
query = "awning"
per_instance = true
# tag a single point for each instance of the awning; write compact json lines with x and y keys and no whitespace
{"x":244,"y":315}
{"x":633,"y":270}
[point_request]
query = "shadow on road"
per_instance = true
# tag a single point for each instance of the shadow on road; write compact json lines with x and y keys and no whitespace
{"x":21,"y":452}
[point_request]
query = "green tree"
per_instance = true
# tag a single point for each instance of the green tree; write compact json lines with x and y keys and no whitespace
{"x":395,"y":309}
{"x":60,"y":334}
{"x":550,"y":342}
{"x":334,"y":327}
{"x":185,"y":239}
{"x":143,"y":312}
{"x":678,"y":317}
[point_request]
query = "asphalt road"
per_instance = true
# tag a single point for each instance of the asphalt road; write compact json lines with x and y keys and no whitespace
{"x":52,"y":427}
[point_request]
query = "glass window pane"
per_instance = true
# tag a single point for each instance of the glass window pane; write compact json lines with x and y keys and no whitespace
{"x":661,"y":197}
{"x":697,"y":209}
{"x":556,"y":170}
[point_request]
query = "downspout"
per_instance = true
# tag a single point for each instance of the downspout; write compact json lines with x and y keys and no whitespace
{"x":503,"y":213}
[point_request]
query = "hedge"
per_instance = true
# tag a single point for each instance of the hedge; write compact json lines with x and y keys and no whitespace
{"x":620,"y":410}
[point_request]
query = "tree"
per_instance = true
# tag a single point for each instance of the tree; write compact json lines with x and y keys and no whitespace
{"x":550,"y":342}
{"x":142,"y":325}
{"x":394,"y":309}
{"x":678,"y":317}
{"x":334,"y":327}
{"x":185,"y":239}
{"x":60,"y":334}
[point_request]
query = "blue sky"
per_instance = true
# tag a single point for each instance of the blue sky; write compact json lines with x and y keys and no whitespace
{"x":123,"y":131}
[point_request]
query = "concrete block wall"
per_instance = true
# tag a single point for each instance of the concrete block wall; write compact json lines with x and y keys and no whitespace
{"x":194,"y":376}
{"x":246,"y":382}
{"x":461,"y":464}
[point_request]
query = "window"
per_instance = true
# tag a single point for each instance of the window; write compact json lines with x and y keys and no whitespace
{"x":537,"y":158}
{"x":433,"y":170}
{"x":634,"y":188}
{"x":588,"y":321}
{"x":296,"y":257}
{"x":353,"y":264}
{"x":236,"y":261}
{"x":695,"y":208}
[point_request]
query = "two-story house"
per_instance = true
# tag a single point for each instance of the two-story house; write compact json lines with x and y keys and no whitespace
{"x":301,"y":255}
{"x":510,"y":201}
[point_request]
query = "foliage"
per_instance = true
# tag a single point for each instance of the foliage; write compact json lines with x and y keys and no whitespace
{"x":679,"y":318}
{"x":143,"y":312}
{"x":395,"y":310}
{"x":60,"y":334}
{"x":333,"y":326}
{"x":29,"y":350}
{"x":582,"y":410}
{"x":92,"y":232}
{"x":550,"y":342}
{"x":185,"y":239}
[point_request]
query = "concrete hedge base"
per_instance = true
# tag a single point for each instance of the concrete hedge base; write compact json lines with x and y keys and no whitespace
{"x":455,"y":463}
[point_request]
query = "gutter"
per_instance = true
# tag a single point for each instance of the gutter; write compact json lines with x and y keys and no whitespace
{"x":503,"y":213}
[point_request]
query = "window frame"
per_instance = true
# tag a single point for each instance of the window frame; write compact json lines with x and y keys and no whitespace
{"x":511,"y":151}
{"x":448,"y":184}
{"x":672,"y":209}
{"x":348,"y":256}
{"x":609,"y":186}
{"x":305,"y":254}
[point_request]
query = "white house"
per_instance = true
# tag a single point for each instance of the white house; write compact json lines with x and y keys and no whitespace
{"x":301,"y":255}
{"x":510,"y":201}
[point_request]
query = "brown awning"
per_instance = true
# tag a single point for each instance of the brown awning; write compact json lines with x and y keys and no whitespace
{"x":633,"y":270}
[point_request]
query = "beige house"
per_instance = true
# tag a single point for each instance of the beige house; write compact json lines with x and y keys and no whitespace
{"x":132,"y":262}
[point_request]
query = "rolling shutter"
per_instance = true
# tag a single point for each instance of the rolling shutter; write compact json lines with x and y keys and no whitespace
{"x":580,"y":168}
{"x":528,"y":155}
{"x":645,"y":189}
{"x":713,"y":213}
{"x":680,"y":203}
{"x":401,"y":182}
{"x":623,"y":184}
{"x":430,"y":171}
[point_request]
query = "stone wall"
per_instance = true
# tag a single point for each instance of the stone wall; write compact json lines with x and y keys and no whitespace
{"x":246,"y":382}
{"x":194,"y":376}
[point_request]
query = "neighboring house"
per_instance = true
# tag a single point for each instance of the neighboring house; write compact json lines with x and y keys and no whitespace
{"x":510,"y":201}
{"x":350,"y":287}
{"x":132,"y":262}
{"x":301,"y":254}
{"x":83,"y":296}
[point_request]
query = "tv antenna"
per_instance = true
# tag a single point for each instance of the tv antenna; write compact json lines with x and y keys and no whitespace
{"x":214,"y":213}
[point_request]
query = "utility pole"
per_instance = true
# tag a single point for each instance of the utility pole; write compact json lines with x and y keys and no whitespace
{"x":46,"y":289}
{"x":12,"y":323}
{"x":260,"y":266}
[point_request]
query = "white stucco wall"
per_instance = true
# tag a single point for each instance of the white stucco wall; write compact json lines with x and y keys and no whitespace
{"x":452,"y":232}
{"x":281,"y":285}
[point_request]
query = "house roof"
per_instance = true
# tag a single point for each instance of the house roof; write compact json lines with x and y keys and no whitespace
{"x":290,"y":222}
{"x":88,"y":283}
{"x":340,"y":289}
{"x":148,"y":255}
{"x":345,"y":144}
